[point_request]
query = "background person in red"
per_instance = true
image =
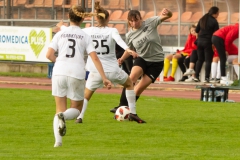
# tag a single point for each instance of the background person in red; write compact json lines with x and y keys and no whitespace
{"x":180,"y":54}
{"x":215,"y":69}
{"x":223,"y":41}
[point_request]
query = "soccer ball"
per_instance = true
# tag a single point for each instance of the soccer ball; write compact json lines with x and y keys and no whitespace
{"x":122,"y":113}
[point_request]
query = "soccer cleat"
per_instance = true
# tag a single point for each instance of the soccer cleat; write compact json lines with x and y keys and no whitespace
{"x":213,"y":80}
{"x":79,"y":120}
{"x":183,"y":79}
{"x":58,"y":144}
{"x":190,"y":79}
{"x":164,"y":78}
{"x":196,"y":80}
{"x":62,"y":126}
{"x":134,"y":117}
{"x":114,"y":109}
{"x":226,"y":82}
{"x":206,"y":80}
{"x":170,"y":78}
{"x":217,"y":80}
{"x":189,"y":72}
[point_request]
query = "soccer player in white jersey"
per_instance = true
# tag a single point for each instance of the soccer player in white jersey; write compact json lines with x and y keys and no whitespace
{"x":104,"y":39}
{"x":144,"y":38}
{"x":68,"y":79}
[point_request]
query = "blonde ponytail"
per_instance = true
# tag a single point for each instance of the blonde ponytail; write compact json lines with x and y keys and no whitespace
{"x":85,"y":14}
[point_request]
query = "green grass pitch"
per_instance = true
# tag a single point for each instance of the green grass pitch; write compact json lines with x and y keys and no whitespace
{"x":175,"y":129}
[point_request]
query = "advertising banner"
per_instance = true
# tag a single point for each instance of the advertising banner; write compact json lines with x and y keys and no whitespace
{"x":24,"y":43}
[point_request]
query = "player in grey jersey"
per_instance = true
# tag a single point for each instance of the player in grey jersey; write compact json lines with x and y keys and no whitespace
{"x":144,"y":39}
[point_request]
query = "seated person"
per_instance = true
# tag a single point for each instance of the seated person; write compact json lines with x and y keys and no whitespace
{"x":191,"y":69}
{"x":189,"y":46}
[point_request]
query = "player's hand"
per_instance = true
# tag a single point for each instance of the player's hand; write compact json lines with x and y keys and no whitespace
{"x":165,"y":12}
{"x":120,"y":61}
{"x":59,"y":24}
{"x":107,"y":83}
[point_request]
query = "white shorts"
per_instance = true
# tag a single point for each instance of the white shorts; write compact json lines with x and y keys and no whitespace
{"x":68,"y":86}
{"x":95,"y":80}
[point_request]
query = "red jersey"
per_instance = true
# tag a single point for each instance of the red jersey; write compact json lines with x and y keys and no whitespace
{"x":189,"y":45}
{"x":229,"y":34}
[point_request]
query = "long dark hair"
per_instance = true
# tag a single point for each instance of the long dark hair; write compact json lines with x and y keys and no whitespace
{"x":203,"y":20}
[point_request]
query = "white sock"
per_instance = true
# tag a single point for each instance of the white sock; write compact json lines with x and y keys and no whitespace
{"x":214,"y":69}
{"x":131,"y":98}
{"x":218,"y":71}
{"x":236,"y":68}
{"x":71,"y":113}
{"x":85,"y":103}
{"x":58,"y":138}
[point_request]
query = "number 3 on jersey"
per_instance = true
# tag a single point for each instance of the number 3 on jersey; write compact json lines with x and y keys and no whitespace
{"x":72,"y":47}
{"x":102,"y":45}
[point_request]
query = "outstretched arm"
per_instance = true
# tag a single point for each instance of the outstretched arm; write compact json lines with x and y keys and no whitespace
{"x":126,"y":54}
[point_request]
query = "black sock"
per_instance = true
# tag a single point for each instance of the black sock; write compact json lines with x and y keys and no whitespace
{"x":137,"y":98}
{"x":123,"y":98}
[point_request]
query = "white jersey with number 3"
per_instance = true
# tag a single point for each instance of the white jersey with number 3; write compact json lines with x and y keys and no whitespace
{"x":104,"y":39}
{"x":71,"y":43}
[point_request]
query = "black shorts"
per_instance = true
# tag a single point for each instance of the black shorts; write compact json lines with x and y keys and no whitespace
{"x":151,"y":69}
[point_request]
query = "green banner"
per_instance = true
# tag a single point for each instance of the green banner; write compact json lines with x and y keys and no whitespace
{"x":15,"y":57}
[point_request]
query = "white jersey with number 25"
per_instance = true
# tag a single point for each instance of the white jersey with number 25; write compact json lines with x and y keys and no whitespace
{"x":104,"y":40}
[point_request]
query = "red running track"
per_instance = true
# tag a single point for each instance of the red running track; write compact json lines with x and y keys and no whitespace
{"x":173,"y":90}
